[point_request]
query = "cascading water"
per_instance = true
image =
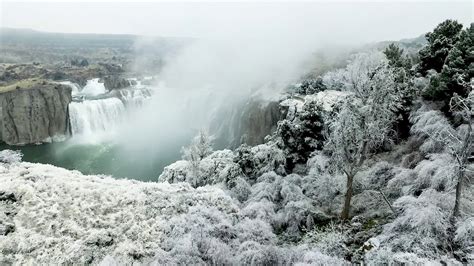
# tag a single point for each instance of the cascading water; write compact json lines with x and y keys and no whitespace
{"x":93,"y":88}
{"x":135,"y":97}
{"x":96,"y":116}
{"x":74,"y":86}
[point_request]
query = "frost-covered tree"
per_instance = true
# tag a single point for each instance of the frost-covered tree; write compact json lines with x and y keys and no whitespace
{"x":462,"y":146}
{"x":365,"y":119}
{"x":302,"y":135}
{"x":200,"y":147}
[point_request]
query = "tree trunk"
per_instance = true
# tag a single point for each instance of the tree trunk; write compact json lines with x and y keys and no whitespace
{"x":457,"y":201}
{"x":347,"y":201}
{"x":462,"y":162}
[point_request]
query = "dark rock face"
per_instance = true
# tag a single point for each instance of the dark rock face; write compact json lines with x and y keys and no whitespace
{"x":35,"y":115}
{"x":115,"y":82}
{"x":249,"y":123}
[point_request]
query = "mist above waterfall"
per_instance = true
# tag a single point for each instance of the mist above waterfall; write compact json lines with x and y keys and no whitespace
{"x":228,"y":65}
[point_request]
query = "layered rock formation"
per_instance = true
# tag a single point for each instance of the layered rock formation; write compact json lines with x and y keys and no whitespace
{"x":34,"y":115}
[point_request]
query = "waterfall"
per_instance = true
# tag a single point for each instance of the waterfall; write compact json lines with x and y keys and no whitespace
{"x":96,"y":116}
{"x":74,"y":86}
{"x":93,"y":88}
{"x":134,"y":98}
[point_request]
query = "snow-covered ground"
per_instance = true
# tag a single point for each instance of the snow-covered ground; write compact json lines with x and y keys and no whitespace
{"x":58,"y":216}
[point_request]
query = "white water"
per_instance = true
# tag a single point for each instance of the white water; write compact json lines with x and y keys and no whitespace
{"x":96,"y":117}
{"x":93,"y":88}
{"x":74,"y":86}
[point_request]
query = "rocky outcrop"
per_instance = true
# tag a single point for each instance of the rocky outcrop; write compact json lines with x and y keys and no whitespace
{"x":35,"y":115}
{"x":116,"y":82}
{"x":249,"y":123}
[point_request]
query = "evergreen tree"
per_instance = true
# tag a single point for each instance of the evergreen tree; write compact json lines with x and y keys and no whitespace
{"x":440,"y":42}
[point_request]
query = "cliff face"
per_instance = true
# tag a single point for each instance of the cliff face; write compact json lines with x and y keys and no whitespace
{"x":35,"y":115}
{"x":247,"y":123}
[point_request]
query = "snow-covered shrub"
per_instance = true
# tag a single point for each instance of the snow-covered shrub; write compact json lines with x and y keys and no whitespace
{"x":255,"y":230}
{"x":329,"y":240}
{"x":438,"y":172}
{"x":402,"y":183}
{"x":310,"y":86}
{"x":384,"y":256}
{"x":370,"y":204}
{"x":464,"y":239}
{"x":421,"y":225}
{"x":253,"y":253}
{"x":176,"y":172}
{"x":377,"y":176}
{"x":212,"y":166}
{"x":319,"y":184}
{"x":314,"y":257}
{"x":257,"y":160}
{"x":431,"y":126}
{"x":264,"y":210}
{"x":239,"y":188}
{"x":217,"y":167}
{"x":267,"y":187}
{"x":9,"y":156}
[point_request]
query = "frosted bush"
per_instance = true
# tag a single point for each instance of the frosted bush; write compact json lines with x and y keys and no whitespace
{"x":421,"y":225}
{"x":329,"y":240}
{"x":239,"y":189}
{"x":264,"y":210}
{"x":255,"y":230}
{"x":267,"y":187}
{"x":464,"y":238}
{"x":438,"y":172}
{"x":431,"y":126}
{"x":217,"y":167}
{"x":402,"y":183}
{"x":252,"y":253}
{"x":319,"y":184}
{"x":377,"y":176}
{"x":9,"y":156}
{"x":176,"y":172}
{"x":291,"y":189}
{"x":385,"y":256}
{"x":314,"y":257}
{"x":260,"y":159}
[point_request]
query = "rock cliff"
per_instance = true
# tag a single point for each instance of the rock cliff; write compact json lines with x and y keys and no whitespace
{"x":35,"y":114}
{"x":249,"y":123}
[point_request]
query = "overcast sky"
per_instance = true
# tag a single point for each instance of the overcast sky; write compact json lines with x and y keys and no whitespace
{"x":354,"y":21}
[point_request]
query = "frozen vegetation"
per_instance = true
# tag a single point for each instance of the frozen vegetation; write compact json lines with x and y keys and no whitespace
{"x":373,"y":164}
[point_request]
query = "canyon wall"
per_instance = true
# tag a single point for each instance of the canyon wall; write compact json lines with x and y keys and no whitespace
{"x":35,"y":115}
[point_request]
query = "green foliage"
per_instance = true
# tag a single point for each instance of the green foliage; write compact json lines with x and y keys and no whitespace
{"x":440,"y":42}
{"x":395,"y":56}
{"x":450,"y":53}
